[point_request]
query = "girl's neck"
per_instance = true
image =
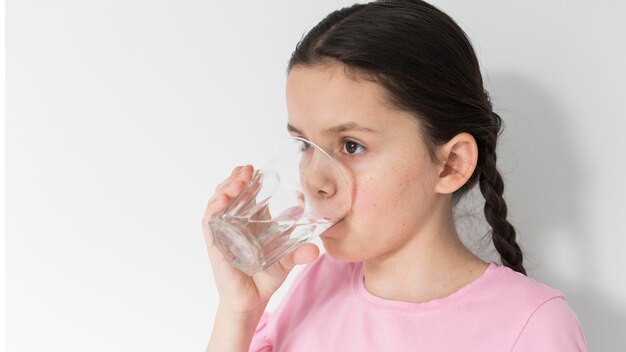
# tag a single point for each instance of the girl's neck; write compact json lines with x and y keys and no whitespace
{"x":433,"y":264}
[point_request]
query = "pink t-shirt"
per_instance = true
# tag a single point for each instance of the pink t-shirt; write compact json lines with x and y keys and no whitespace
{"x":328,"y":308}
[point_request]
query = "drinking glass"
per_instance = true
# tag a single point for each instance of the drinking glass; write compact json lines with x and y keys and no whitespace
{"x":298,"y":193}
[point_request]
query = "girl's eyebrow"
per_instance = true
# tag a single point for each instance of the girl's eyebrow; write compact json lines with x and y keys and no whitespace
{"x":349,"y":126}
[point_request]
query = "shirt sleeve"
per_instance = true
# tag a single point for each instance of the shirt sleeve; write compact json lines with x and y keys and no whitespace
{"x":552,"y":327}
{"x":261,"y":340}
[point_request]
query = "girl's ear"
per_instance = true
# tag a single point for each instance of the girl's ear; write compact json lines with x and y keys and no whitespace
{"x":459,"y":157}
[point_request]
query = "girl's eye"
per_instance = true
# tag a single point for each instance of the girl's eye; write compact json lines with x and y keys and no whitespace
{"x":305,"y":146}
{"x":352,"y":148}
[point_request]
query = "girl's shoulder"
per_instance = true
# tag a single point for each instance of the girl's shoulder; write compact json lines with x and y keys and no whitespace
{"x":508,"y":286}
{"x":548,"y":321}
{"x":545,"y":320}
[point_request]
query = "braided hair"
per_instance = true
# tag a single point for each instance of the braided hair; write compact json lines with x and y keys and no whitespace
{"x":429,"y":68}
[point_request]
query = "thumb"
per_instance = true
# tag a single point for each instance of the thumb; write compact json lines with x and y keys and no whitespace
{"x":269,"y":280}
{"x":303,"y":254}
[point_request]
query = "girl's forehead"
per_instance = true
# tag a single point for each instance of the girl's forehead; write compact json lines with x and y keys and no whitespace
{"x":321,"y":87}
{"x":319,"y":99}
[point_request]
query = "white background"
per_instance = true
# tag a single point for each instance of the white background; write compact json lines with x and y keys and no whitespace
{"x":123,"y":116}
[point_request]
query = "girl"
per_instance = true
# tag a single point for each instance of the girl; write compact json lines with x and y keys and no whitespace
{"x":398,"y":84}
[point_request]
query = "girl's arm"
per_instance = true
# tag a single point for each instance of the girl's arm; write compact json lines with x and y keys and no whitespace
{"x":233,"y":331}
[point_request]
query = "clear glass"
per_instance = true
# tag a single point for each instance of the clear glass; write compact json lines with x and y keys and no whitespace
{"x":298,"y":193}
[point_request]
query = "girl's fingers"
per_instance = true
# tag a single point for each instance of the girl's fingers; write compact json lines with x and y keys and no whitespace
{"x":227,"y":190}
{"x":235,"y":170}
{"x":240,"y":172}
{"x":235,"y":187}
{"x":218,"y":203}
{"x":243,"y":175}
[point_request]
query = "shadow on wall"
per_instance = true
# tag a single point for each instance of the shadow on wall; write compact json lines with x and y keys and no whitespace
{"x":543,"y":190}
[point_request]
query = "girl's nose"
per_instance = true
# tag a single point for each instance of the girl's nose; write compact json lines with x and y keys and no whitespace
{"x":318,"y":176}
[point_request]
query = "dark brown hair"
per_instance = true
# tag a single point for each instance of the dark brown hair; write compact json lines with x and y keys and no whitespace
{"x":428,"y":66}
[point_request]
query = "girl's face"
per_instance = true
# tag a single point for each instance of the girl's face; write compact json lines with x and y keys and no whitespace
{"x":381,"y":150}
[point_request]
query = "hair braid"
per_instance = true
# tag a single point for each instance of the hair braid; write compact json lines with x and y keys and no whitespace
{"x":492,"y":187}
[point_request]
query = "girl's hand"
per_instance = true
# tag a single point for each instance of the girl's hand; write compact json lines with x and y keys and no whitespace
{"x":239,"y":292}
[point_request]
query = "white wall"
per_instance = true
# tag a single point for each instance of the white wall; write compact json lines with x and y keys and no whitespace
{"x":123,"y":116}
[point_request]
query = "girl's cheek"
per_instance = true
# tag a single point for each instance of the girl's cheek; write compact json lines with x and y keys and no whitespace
{"x":367,"y":200}
{"x":386,"y":195}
